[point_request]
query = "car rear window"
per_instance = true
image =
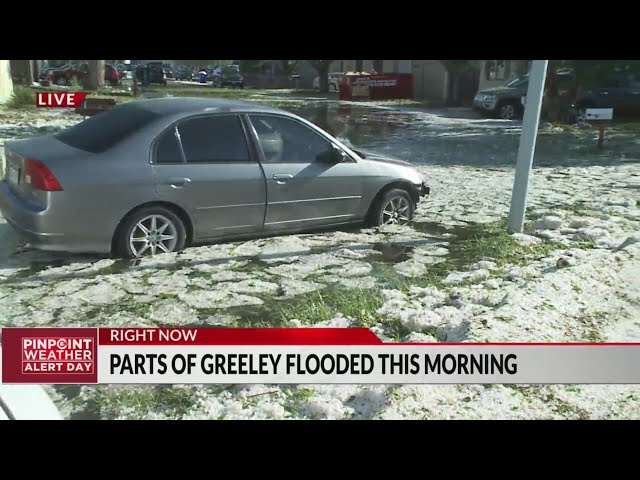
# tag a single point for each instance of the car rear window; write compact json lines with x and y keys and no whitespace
{"x":106,"y":129}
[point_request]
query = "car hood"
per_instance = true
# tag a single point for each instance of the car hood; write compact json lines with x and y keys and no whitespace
{"x":376,"y":157}
{"x":499,"y":91}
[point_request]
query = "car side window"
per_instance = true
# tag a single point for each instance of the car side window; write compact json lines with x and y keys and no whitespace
{"x":168,"y":148}
{"x":214,"y":139}
{"x":284,"y":140}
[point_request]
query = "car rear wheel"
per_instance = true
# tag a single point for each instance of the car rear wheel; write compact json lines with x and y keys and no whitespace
{"x":151,"y":231}
{"x":61,"y":81}
{"x":508,"y":111}
{"x":395,"y":207}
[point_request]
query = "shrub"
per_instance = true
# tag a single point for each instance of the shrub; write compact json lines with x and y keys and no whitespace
{"x":22,"y":97}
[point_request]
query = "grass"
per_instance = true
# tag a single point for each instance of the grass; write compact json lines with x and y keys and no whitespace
{"x":22,"y":97}
{"x":577,"y":208}
{"x":491,"y":241}
{"x":134,"y":402}
{"x":470,"y":244}
{"x":320,"y":306}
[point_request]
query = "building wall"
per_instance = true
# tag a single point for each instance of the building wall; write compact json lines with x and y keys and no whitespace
{"x":495,"y":73}
{"x":430,"y":79}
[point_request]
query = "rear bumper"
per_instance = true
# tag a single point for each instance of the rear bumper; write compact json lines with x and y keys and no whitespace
{"x":30,"y":222}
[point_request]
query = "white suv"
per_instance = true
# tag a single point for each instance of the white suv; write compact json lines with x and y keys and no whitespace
{"x":334,"y":81}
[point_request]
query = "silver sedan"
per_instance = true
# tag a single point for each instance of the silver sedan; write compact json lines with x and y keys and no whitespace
{"x":153,"y":176}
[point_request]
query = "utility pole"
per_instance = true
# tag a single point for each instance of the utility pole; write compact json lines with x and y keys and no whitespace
{"x":527,"y":145}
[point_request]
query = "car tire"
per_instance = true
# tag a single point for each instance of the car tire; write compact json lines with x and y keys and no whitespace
{"x":394,"y":207}
{"x":61,"y":81}
{"x":508,"y":111}
{"x":167,"y":224}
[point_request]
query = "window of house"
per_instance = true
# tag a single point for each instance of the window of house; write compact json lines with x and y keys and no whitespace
{"x":497,"y":69}
{"x":284,"y":140}
{"x":214,"y":139}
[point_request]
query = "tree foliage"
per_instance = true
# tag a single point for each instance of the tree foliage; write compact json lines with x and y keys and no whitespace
{"x":288,"y":66}
{"x":455,"y":67}
{"x":251,"y":66}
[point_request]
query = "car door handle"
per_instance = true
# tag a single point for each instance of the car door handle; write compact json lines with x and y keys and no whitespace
{"x":282,"y":178}
{"x":178,"y":182}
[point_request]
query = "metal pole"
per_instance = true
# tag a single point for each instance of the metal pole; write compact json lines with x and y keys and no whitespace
{"x":527,"y":145}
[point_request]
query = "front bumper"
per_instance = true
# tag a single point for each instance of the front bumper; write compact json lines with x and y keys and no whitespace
{"x":484,"y":105}
{"x":424,"y":189}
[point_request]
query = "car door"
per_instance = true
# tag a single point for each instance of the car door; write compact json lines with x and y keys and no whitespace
{"x":303,"y":189}
{"x":203,"y":164}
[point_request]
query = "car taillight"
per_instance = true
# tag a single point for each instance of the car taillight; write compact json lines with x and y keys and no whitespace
{"x":38,"y":175}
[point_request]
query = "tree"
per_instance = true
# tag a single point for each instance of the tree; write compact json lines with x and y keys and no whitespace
{"x":22,"y":72}
{"x":322,"y":67}
{"x":288,"y":66}
{"x":94,"y":79}
{"x":6,"y":84}
{"x":456,"y":68}
{"x":251,"y":66}
{"x":588,"y":74}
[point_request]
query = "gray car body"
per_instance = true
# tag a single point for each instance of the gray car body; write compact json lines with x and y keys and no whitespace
{"x":218,"y":201}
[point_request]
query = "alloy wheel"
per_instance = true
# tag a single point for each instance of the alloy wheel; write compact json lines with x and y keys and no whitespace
{"x":396,"y":212}
{"x":153,"y":234}
{"x":507,"y":112}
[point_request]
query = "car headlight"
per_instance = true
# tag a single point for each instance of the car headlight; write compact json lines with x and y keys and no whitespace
{"x":489,"y":98}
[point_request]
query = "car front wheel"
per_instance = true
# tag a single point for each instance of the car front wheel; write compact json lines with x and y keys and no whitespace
{"x":508,"y":111}
{"x":151,"y":231}
{"x":395,"y":207}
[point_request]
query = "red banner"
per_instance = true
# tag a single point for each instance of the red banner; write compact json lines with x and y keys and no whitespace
{"x":59,"y":99}
{"x":49,"y":355}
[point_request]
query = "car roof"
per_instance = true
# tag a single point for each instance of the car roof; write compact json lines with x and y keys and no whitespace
{"x":176,"y":105}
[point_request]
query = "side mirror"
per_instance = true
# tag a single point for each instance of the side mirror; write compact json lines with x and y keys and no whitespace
{"x":338,"y":155}
{"x":333,"y":156}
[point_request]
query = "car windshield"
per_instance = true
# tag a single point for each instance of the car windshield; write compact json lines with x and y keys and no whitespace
{"x":103,"y":131}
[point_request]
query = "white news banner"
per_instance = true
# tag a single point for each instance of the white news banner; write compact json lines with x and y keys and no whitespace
{"x":379,"y":364}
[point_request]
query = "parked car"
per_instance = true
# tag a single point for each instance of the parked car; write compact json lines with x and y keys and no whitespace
{"x":505,"y":102}
{"x":168,"y":70}
{"x":334,"y":81}
{"x":622,"y":93}
{"x":183,"y":73}
{"x":230,"y":77}
{"x":137,"y":170}
{"x":151,"y":73}
{"x":66,"y":74}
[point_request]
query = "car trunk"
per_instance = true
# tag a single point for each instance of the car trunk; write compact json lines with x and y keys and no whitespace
{"x":46,"y":149}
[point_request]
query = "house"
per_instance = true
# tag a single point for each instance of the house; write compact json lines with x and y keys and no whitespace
{"x":494,"y":73}
{"x":431,"y":79}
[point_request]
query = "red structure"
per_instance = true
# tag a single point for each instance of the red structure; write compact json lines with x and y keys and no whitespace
{"x":384,"y":86}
